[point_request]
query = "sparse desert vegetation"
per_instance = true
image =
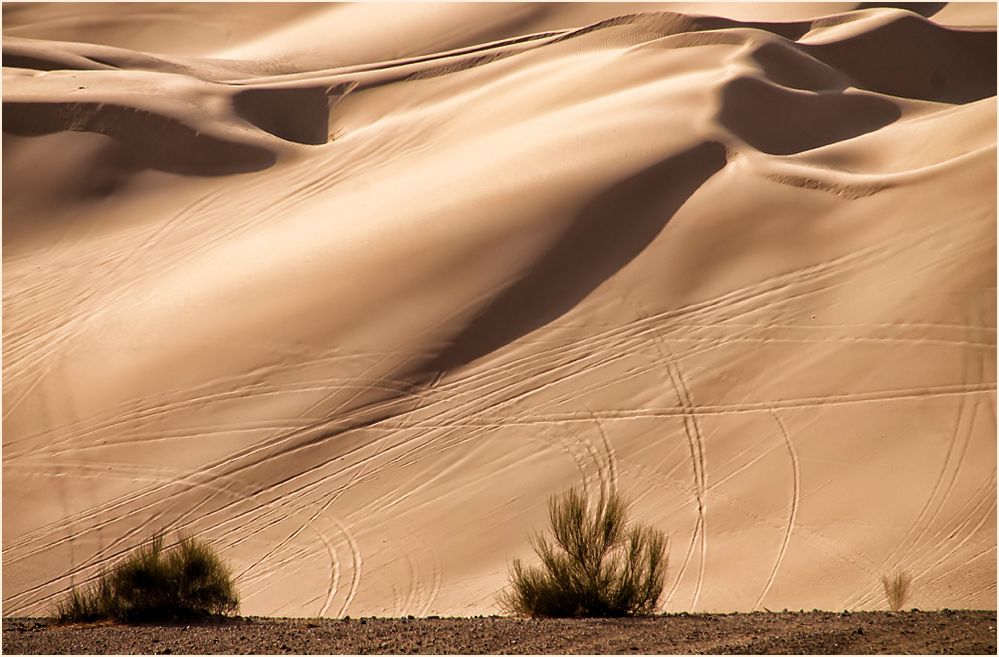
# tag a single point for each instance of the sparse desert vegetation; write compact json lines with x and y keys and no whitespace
{"x":896,"y":588}
{"x":155,"y":583}
{"x":593,"y":565}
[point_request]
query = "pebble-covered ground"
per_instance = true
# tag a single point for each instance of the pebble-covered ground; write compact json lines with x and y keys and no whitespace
{"x":913,"y":632}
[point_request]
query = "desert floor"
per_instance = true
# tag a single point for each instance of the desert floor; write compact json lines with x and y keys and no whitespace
{"x":944,"y":632}
{"x":349,"y":290}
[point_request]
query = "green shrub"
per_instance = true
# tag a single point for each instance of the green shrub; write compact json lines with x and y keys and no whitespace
{"x":593,"y":565}
{"x":187,"y":581}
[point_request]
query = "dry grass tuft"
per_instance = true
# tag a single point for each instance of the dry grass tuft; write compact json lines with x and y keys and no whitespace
{"x":896,"y":589}
{"x":593,"y":566}
{"x":188,"y":580}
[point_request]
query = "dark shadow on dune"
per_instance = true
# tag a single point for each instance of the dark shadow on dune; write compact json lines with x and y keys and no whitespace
{"x":16,"y":60}
{"x":779,"y":121}
{"x":912,"y":57}
{"x":791,"y":30}
{"x":787,"y":65}
{"x":926,"y":9}
{"x":300,"y":114}
{"x":608,"y":233}
{"x":150,"y":140}
{"x":653,"y":25}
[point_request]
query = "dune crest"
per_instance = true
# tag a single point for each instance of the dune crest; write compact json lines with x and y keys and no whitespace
{"x":350,"y":289}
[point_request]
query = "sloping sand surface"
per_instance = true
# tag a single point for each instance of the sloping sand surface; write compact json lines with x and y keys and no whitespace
{"x":350,"y":289}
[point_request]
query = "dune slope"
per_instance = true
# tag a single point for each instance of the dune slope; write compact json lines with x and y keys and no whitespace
{"x":353,"y":307}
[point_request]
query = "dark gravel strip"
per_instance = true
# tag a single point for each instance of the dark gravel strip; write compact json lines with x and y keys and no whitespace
{"x":913,"y":632}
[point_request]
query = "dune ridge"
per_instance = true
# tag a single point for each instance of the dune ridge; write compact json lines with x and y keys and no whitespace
{"x":353,"y":307}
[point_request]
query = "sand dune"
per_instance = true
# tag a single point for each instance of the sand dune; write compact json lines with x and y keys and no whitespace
{"x":350,"y":289}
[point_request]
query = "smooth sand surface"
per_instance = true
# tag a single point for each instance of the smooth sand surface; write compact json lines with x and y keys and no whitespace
{"x":350,"y":289}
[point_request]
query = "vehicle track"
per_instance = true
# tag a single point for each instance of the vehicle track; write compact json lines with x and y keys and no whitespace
{"x":795,"y":501}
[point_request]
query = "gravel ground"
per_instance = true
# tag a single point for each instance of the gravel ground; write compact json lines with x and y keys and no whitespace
{"x":913,"y":632}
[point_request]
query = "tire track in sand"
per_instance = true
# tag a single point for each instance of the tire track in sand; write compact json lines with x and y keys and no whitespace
{"x":695,"y":441}
{"x":932,"y":499}
{"x":357,"y":564}
{"x":795,"y":501}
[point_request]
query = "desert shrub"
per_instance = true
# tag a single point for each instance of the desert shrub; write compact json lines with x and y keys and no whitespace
{"x":896,"y":589}
{"x":89,"y":604}
{"x":189,"y":580}
{"x":593,"y":565}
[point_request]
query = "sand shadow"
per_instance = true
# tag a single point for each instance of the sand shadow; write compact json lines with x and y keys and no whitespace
{"x":925,"y":9}
{"x":779,"y":121}
{"x":912,"y":57}
{"x":149,"y":140}
{"x":607,"y":234}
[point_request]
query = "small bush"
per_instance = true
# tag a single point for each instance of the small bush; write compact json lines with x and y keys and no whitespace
{"x":593,"y":565}
{"x":187,"y":581}
{"x":896,"y":589}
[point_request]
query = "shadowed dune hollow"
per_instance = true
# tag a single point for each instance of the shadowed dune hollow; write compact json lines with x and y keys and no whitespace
{"x":350,"y":289}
